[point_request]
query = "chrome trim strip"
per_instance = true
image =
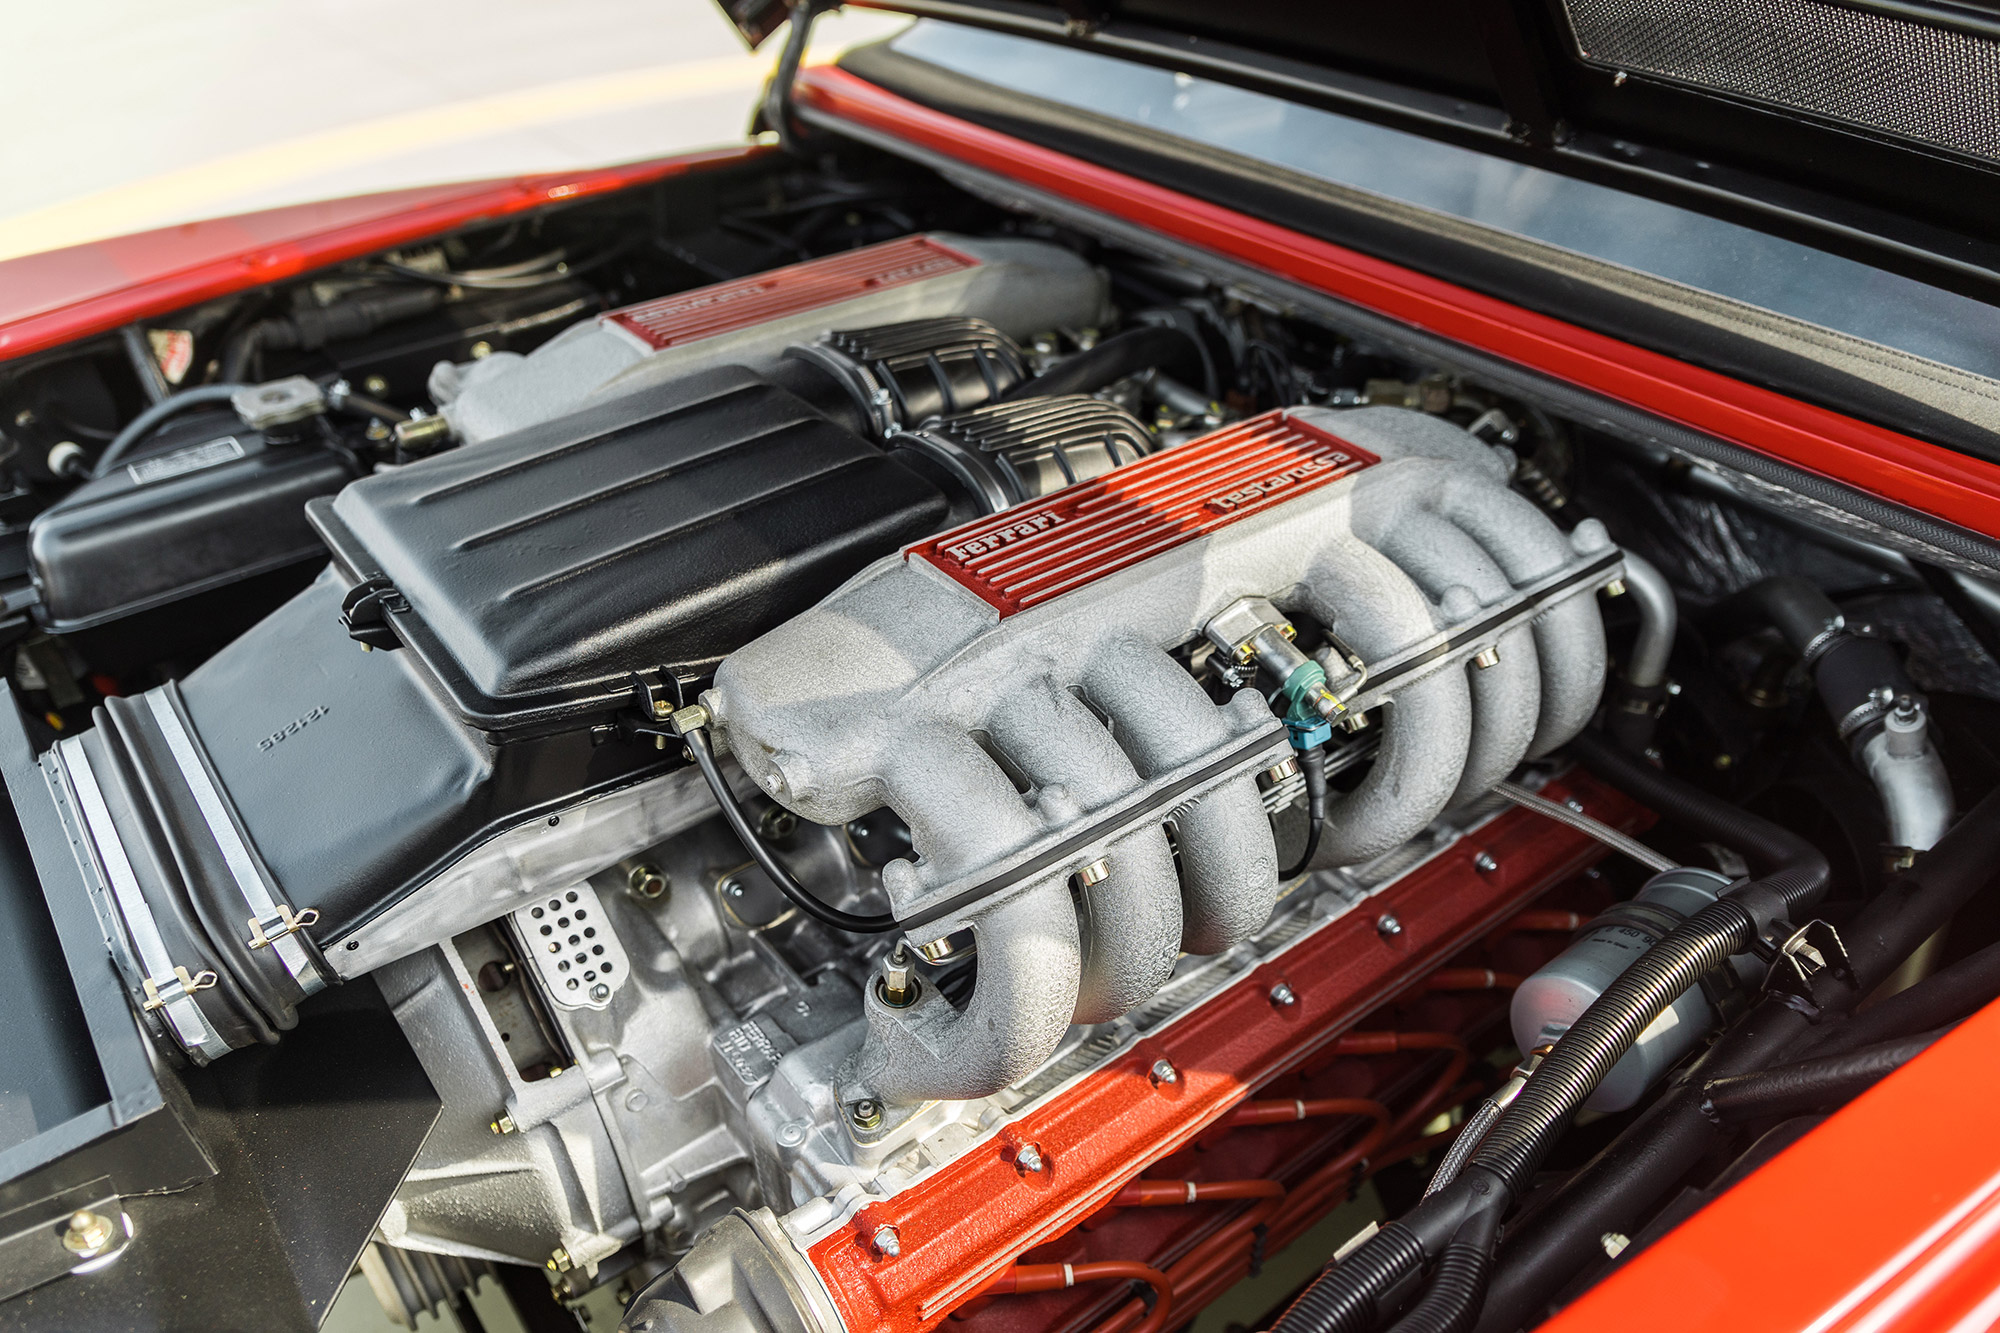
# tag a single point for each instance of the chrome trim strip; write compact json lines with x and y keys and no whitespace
{"x":243,"y":868}
{"x":115,"y":868}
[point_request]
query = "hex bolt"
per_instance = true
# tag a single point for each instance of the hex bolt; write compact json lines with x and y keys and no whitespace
{"x":1284,"y":996}
{"x":1614,"y":1243}
{"x":777,"y":823}
{"x":1277,"y":773}
{"x":1354,"y":722}
{"x":1387,"y":926}
{"x":1484,"y":863}
{"x":1095,"y":873}
{"x":1615,"y":588}
{"x":1164,"y":1072}
{"x":1028,"y":1159}
{"x":1487,"y":658}
{"x":647,"y":882}
{"x":865,"y":1114}
{"x":88,"y":1234}
{"x":502,"y":1124}
{"x":559,"y":1260}
{"x":887,"y":1243}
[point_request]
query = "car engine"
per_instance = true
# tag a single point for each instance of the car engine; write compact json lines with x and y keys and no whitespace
{"x":893,"y":744}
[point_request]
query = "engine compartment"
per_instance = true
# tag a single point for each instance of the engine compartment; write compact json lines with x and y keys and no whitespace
{"x":862,"y":734}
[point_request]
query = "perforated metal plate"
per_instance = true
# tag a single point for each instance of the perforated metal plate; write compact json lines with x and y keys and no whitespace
{"x":575,"y":951}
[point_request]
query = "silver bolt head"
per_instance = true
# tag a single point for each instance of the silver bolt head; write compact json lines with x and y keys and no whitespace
{"x":1574,"y":804}
{"x":647,"y":882}
{"x":1614,"y":1243}
{"x":1615,"y":588}
{"x":1484,"y":863}
{"x":1095,"y":873}
{"x":1164,"y":1072}
{"x":1387,"y":926}
{"x":1284,"y":996}
{"x":1028,"y":1158}
{"x":1487,"y":658}
{"x":887,"y":1243}
{"x":866,"y":1113}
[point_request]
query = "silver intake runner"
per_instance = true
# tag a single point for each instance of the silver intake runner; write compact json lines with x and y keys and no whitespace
{"x":1010,"y":691}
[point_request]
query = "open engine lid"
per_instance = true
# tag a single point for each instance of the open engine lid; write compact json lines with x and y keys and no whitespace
{"x":1865,"y":126}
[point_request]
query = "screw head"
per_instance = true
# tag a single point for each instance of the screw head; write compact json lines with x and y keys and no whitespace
{"x":887,"y":1243}
{"x":1387,"y":926}
{"x":865,"y":1114}
{"x":1028,"y":1159}
{"x":1284,"y":996}
{"x":1484,"y":863}
{"x":88,"y":1234}
{"x":1164,"y":1072}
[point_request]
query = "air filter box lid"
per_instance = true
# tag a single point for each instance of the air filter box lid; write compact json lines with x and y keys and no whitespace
{"x":534,"y":574}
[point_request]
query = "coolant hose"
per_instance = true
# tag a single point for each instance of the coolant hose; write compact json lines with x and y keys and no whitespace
{"x":143,"y":425}
{"x":1148,"y":347}
{"x":1634,"y":699}
{"x":1809,"y":1085}
{"x":1451,"y":1302}
{"x":1949,"y":994}
{"x":1847,"y":668}
{"x":1793,"y":866}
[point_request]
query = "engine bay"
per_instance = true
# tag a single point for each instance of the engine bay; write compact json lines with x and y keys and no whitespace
{"x":893,"y":758}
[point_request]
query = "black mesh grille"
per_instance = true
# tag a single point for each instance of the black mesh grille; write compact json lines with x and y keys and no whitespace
{"x":1935,"y":85}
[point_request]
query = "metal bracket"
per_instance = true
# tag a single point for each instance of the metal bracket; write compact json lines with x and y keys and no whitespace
{"x":160,"y":994}
{"x":1805,"y":960}
{"x":286,"y":922}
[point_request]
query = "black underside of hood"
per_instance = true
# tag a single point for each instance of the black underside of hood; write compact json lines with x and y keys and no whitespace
{"x":1869,"y":127}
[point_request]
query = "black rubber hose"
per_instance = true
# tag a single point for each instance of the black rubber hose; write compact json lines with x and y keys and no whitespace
{"x":1450,"y":1303}
{"x":1949,"y":994}
{"x":143,"y":425}
{"x":697,"y":742}
{"x":1148,"y":347}
{"x":1847,"y":669}
{"x":1804,"y":617}
{"x":1809,"y":1085}
{"x":1313,"y":764}
{"x":1604,"y":1032}
{"x":1623,"y":1184}
{"x":1348,"y":1297}
{"x":1791,"y":865}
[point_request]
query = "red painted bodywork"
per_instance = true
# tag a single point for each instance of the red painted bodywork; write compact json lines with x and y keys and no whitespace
{"x":1031,"y":553}
{"x":964,"y":1224}
{"x":1871,"y":458}
{"x":724,"y":307}
{"x":59,"y":296}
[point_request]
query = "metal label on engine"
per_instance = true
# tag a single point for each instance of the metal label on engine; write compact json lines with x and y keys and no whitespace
{"x":1035,"y":552}
{"x":725,"y":307}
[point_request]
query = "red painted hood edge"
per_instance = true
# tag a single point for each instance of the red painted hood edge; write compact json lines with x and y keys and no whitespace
{"x":1885,"y":1217}
{"x":80,"y":291}
{"x":1897,"y":467}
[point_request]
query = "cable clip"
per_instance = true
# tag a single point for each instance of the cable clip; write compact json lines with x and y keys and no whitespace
{"x":1805,"y":960}
{"x":287,"y":922}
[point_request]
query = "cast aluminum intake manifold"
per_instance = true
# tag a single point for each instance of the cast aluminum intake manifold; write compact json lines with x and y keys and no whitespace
{"x":1038,"y":641}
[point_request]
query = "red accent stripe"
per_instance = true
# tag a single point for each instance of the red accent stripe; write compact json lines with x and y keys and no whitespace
{"x":58,"y":296}
{"x":1894,"y":466}
{"x":724,"y":307}
{"x":1035,"y":552}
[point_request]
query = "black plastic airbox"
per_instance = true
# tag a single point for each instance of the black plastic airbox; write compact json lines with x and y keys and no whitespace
{"x":533,"y":574}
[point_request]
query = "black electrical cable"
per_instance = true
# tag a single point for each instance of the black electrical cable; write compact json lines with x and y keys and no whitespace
{"x":1313,"y":764}
{"x":143,"y":425}
{"x":696,"y":741}
{"x":1809,"y":1085}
